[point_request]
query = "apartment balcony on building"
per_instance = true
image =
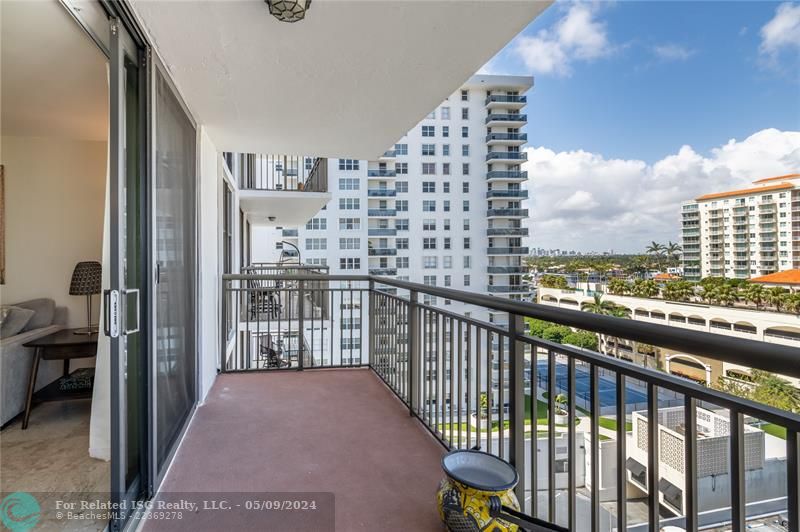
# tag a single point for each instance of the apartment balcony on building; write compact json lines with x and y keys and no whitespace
{"x":279,"y":189}
{"x":381,"y":213}
{"x":519,"y":250}
{"x":506,"y":156}
{"x":381,"y":172}
{"x":506,"y":139}
{"x":381,"y":192}
{"x":382,"y":252}
{"x":505,"y":119}
{"x":507,"y":193}
{"x":381,"y":231}
{"x":507,"y":213}
{"x":507,"y":175}
{"x":507,"y":231}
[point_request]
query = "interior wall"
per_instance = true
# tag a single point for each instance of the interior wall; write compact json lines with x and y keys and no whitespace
{"x":55,"y":190}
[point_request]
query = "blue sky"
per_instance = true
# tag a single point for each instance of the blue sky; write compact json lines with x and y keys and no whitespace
{"x":637,"y":81}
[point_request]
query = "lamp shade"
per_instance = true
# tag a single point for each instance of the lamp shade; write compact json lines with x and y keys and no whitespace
{"x":86,"y":279}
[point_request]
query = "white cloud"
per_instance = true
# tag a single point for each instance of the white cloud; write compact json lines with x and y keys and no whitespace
{"x":783,"y":31}
{"x":672,"y":52}
{"x":582,"y":200}
{"x":577,"y":36}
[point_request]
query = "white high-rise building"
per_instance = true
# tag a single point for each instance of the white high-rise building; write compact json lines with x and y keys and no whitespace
{"x":743,"y":233}
{"x":443,"y":206}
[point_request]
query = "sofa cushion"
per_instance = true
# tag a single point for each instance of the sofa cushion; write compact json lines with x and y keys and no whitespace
{"x":44,"y":309}
{"x":15,"y":320}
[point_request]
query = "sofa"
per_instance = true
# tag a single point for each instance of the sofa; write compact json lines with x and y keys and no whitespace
{"x":16,"y":361}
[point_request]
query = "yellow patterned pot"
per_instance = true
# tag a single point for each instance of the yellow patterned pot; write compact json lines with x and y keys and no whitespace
{"x":463,"y":497}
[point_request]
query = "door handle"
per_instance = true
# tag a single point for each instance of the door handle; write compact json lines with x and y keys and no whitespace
{"x":126,"y":294}
{"x":111,"y":313}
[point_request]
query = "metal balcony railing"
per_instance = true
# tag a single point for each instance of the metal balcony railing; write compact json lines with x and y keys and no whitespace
{"x":382,"y":213}
{"x":506,"y":117}
{"x":498,"y":288}
{"x":507,"y":155}
{"x":381,"y":192}
{"x":289,"y":233}
{"x":440,"y":364}
{"x":381,"y":231}
{"x":507,"y":269}
{"x":380,"y":173}
{"x":507,"y":174}
{"x":506,"y":193}
{"x":278,"y":172}
{"x":507,"y":251}
{"x":522,"y":213}
{"x":507,"y":231}
{"x":382,"y":252}
{"x":505,"y":98}
{"x":515,"y":137}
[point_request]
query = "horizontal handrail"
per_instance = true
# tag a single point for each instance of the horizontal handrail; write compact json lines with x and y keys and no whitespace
{"x":775,"y":358}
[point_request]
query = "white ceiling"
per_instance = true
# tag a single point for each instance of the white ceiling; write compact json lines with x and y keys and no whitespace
{"x":347,"y":81}
{"x":54,"y":80}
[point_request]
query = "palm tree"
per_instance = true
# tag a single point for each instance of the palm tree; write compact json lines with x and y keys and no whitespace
{"x":775,"y":297}
{"x":678,"y":291}
{"x":725,"y":295}
{"x":754,"y":293}
{"x":606,"y":308}
{"x":673,"y":251}
{"x":645,"y":288}
{"x":657,"y":250}
{"x":618,"y":287}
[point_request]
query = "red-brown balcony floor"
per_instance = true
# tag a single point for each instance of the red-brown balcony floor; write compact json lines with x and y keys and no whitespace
{"x":340,"y":431}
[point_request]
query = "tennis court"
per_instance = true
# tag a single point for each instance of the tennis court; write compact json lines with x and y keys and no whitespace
{"x":607,"y":391}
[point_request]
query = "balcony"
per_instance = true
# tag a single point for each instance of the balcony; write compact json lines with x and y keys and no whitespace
{"x":257,"y":410}
{"x":505,"y":119}
{"x":383,"y":271}
{"x":279,"y":189}
{"x":381,"y":231}
{"x":508,"y":101}
{"x":381,"y":213}
{"x":506,"y":270}
{"x":507,"y":231}
{"x":507,"y":175}
{"x":382,"y":252}
{"x":389,"y":154}
{"x":381,"y":192}
{"x":499,"y":193}
{"x":289,"y":233}
{"x":507,"y":289}
{"x":501,"y":156}
{"x":507,"y":213}
{"x":506,"y":139}
{"x":304,"y":433}
{"x":507,"y":251}
{"x":381,"y":173}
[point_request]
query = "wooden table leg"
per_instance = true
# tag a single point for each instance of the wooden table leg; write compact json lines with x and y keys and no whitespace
{"x":31,"y":387}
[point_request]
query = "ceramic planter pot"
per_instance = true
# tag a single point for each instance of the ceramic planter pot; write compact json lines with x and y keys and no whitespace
{"x":471,"y":477}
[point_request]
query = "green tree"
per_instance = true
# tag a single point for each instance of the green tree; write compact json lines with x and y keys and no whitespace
{"x":657,"y":251}
{"x":619,"y":287}
{"x":775,"y":391}
{"x":606,"y":308}
{"x":582,"y":339}
{"x":673,"y":252}
{"x":556,"y":333}
{"x":678,"y":291}
{"x":775,"y":297}
{"x":553,"y":281}
{"x":754,"y":293}
{"x":645,"y":288}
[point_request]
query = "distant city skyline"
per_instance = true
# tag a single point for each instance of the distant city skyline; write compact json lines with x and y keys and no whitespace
{"x":685,"y":99}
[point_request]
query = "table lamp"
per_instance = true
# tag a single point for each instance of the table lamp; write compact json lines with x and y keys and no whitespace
{"x":86,"y":281}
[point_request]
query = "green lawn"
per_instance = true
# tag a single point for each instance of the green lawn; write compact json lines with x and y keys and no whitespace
{"x":611,"y":424}
{"x":774,"y":430}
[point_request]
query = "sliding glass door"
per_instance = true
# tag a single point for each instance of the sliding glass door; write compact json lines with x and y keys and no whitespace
{"x":124,"y":304}
{"x":175,"y":207}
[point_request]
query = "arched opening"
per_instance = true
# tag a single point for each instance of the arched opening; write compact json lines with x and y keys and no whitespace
{"x":785,"y":333}
{"x":745,"y":327}
{"x":696,"y":320}
{"x":676,"y":317}
{"x":719,"y":323}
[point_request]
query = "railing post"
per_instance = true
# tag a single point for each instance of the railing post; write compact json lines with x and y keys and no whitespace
{"x":371,"y":337}
{"x":223,"y":336}
{"x":300,"y":332}
{"x":413,"y":352}
{"x":516,"y":392}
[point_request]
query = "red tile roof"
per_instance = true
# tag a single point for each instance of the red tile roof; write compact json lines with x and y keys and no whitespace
{"x":784,"y":277}
{"x":778,"y":178}
{"x":746,"y":191}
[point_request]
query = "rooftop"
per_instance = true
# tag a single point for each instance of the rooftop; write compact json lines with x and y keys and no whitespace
{"x":746,"y":191}
{"x":784,"y":277}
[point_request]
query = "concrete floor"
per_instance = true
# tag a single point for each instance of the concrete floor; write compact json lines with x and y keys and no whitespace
{"x":50,"y":460}
{"x":337,"y":436}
